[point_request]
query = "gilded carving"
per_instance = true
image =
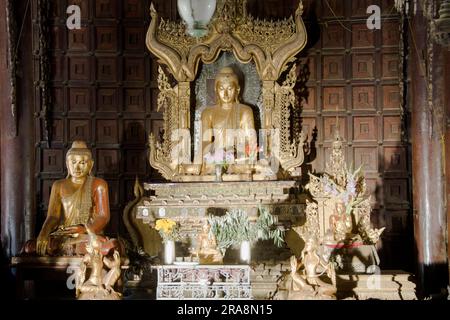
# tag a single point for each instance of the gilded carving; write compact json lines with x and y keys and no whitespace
{"x":343,"y":206}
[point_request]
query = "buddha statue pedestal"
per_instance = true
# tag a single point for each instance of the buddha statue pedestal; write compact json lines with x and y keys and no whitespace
{"x":191,"y":203}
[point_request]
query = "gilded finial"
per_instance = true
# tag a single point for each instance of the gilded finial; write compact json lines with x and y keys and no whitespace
{"x":152,"y":9}
{"x":299,"y":10}
{"x":138,"y":190}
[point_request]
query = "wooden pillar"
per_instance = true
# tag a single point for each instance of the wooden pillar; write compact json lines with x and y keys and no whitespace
{"x":16,"y":159}
{"x":447,"y":147}
{"x":427,"y":133}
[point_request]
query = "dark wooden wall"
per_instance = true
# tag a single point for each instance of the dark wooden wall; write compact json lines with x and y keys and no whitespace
{"x":103,"y":85}
{"x":356,"y":73}
{"x":103,"y":89}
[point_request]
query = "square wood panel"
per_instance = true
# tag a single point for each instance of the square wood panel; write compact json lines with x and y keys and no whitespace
{"x":79,"y":99}
{"x":392,"y":128}
{"x":362,"y":66}
{"x":134,"y":100}
{"x":367,"y":157}
{"x":108,"y":161}
{"x":365,"y":128}
{"x":105,"y":8}
{"x":107,"y":69}
{"x":79,"y":69}
{"x":133,"y":9}
{"x":80,"y":130}
{"x":78,"y":39}
{"x":333,"y":67}
{"x":391,"y":97}
{"x":107,"y":99}
{"x":396,"y":221}
{"x":390,"y":65}
{"x":134,"y":38}
{"x":136,"y":161}
{"x":362,"y":37}
{"x":107,"y":131}
{"x":134,"y":131}
{"x":333,"y":98}
{"x":329,"y":125}
{"x":52,"y":160}
{"x":106,"y":38}
{"x":390,"y":33}
{"x":395,"y":159}
{"x":395,"y":191}
{"x":134,"y":69}
{"x":333,"y":36}
{"x":363,"y":97}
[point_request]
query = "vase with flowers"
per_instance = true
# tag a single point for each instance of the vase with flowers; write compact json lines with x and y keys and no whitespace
{"x":221,"y":159}
{"x":169,"y":230}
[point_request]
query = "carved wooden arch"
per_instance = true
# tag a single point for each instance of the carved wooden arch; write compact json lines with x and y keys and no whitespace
{"x":182,"y":53}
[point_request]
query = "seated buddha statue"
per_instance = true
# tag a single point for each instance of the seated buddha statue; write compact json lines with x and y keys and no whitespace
{"x":340,"y":222}
{"x":77,"y":201}
{"x":227,"y":128}
{"x":206,"y":250}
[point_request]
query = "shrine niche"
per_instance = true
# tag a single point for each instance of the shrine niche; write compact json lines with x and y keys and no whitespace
{"x":270,"y":47}
{"x":243,"y":68}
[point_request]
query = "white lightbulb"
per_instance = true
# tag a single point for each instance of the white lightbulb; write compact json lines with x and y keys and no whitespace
{"x":196,"y":14}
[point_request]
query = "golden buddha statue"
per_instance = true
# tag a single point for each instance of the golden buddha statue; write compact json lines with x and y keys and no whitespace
{"x":341,"y":224}
{"x":207,"y":251}
{"x":227,"y":128}
{"x":76,"y":201}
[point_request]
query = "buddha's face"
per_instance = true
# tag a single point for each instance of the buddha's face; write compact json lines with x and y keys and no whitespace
{"x":79,"y":165}
{"x":227,"y":90}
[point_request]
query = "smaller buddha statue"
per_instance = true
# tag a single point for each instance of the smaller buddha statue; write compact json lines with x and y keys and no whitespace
{"x":227,"y":129}
{"x":206,"y":250}
{"x":341,"y":224}
{"x":77,"y":201}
